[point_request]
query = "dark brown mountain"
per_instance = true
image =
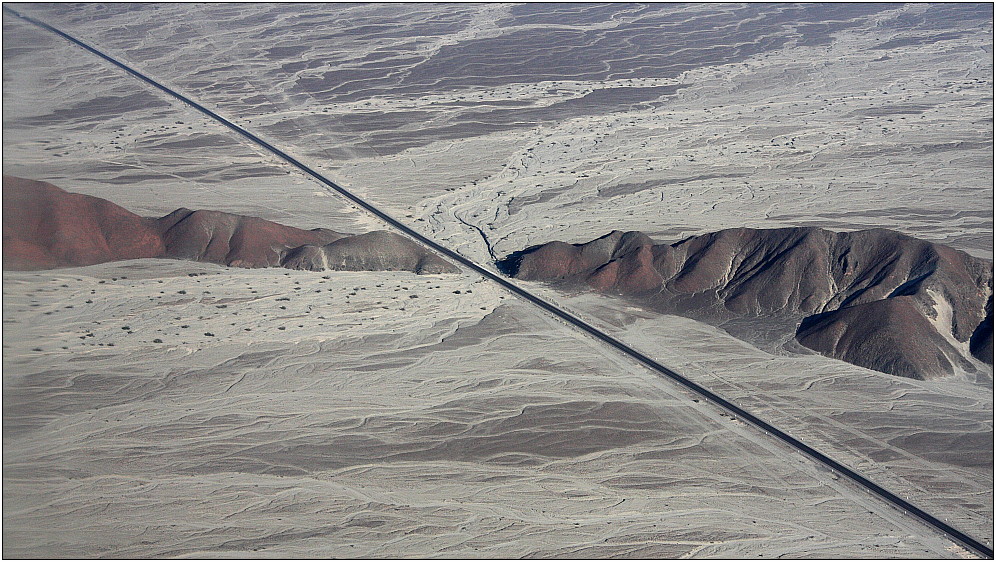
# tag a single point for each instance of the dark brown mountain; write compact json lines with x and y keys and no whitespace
{"x":875,"y":298}
{"x":46,"y":227}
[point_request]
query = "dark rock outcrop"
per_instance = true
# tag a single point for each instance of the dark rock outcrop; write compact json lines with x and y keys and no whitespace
{"x":981,"y":343}
{"x":875,"y":298}
{"x":46,"y":227}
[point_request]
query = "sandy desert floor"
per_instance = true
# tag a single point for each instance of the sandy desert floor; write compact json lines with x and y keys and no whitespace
{"x":388,"y":414}
{"x":177,"y":409}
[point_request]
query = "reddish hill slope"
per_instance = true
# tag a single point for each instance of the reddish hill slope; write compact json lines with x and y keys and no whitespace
{"x":233,"y":240}
{"x":46,"y":227}
{"x":875,"y":298}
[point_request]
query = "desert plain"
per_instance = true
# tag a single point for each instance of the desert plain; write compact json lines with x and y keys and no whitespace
{"x":182,"y":409}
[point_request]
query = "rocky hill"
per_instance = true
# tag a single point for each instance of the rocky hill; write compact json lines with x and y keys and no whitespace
{"x":875,"y":298}
{"x":46,"y":227}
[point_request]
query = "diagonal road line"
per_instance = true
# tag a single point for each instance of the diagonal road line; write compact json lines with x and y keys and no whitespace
{"x":893,"y":499}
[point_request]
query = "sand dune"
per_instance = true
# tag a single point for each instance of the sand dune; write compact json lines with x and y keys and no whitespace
{"x":874,"y":298}
{"x":46,"y":227}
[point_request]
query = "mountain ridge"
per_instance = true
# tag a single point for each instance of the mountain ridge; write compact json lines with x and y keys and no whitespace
{"x":46,"y":227}
{"x":837,"y":284}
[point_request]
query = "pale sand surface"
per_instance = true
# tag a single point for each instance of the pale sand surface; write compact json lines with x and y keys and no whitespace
{"x":790,"y":138}
{"x":460,"y":425}
{"x":86,"y":127}
{"x":929,"y":441}
{"x":882,"y":124}
{"x":485,"y":430}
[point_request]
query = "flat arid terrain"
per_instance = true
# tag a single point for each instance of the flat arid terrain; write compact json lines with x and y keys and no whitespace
{"x":208,"y":353}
